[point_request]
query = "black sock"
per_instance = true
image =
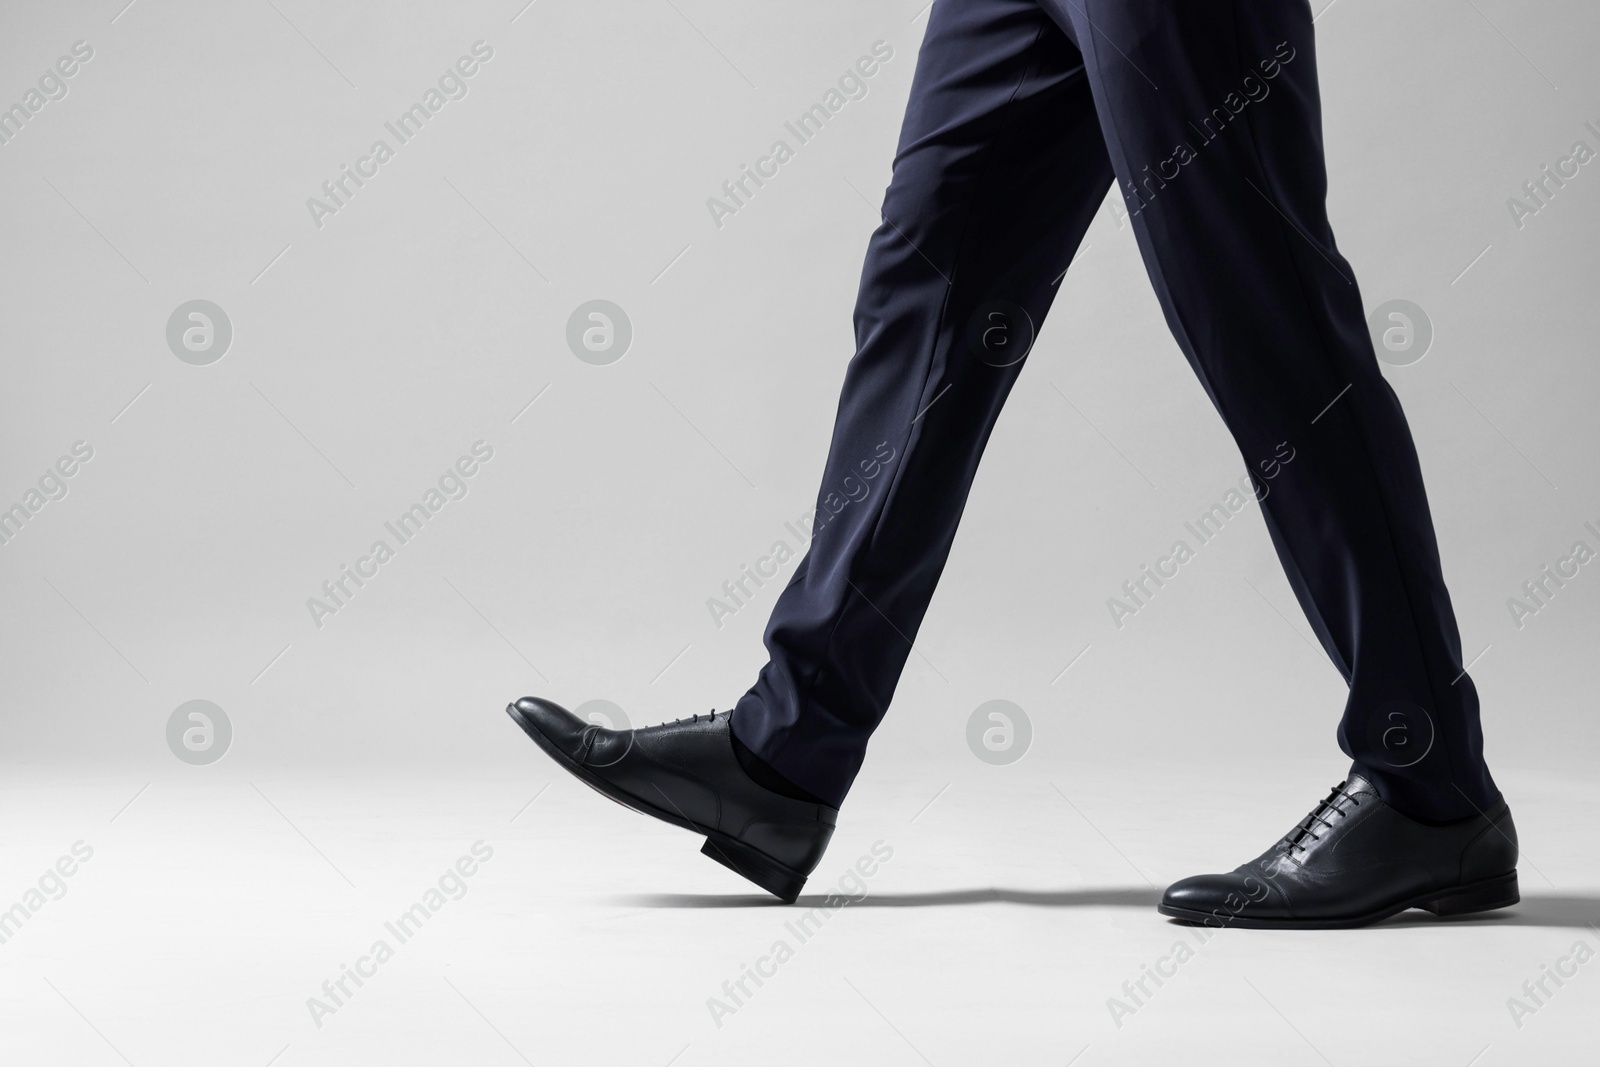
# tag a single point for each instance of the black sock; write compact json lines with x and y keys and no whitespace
{"x":762,"y":774}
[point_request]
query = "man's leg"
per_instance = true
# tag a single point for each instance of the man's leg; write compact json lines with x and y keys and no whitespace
{"x":1000,"y":168}
{"x":1211,"y":113}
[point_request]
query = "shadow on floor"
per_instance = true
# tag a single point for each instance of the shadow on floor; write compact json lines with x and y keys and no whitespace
{"x":1141,"y":897}
{"x":1536,"y":909}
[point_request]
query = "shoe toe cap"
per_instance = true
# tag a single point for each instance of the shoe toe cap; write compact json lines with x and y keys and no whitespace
{"x":1243,"y":895}
{"x":550,"y":722}
{"x":1201,"y":892}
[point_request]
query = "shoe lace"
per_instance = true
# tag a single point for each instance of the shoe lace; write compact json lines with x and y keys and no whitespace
{"x":710,"y":717}
{"x":1330,"y":804}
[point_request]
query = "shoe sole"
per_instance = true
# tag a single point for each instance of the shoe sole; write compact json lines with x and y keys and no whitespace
{"x":1487,"y":895}
{"x":781,"y":881}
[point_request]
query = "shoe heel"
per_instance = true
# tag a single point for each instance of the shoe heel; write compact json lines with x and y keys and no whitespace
{"x":765,"y":872}
{"x":1488,"y":895}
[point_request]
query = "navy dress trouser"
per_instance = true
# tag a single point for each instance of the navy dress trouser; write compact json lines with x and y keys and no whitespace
{"x":1207,"y":116}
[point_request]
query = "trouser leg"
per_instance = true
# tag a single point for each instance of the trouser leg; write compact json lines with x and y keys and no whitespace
{"x":999,"y":171}
{"x":1211,"y":114}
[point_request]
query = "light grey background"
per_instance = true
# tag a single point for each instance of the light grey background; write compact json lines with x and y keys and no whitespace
{"x":370,"y":353}
{"x":374,"y":351}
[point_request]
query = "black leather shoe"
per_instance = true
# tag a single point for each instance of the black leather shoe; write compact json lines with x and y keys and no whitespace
{"x":1355,"y":860}
{"x":686,"y":773}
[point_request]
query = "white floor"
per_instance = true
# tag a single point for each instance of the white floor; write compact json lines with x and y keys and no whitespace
{"x":1015,"y":905}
